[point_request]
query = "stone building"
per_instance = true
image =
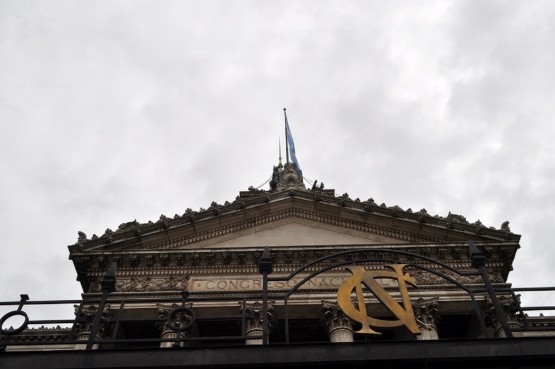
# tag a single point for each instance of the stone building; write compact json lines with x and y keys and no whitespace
{"x":293,"y":276}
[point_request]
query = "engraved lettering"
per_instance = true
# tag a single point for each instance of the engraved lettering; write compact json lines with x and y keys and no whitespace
{"x":335,"y":282}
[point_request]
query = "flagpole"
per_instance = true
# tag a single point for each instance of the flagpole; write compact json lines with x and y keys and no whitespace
{"x":286,"y":139}
{"x":279,"y":142}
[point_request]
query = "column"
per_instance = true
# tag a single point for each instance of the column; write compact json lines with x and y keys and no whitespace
{"x":255,"y":321}
{"x":85,"y":321}
{"x":338,"y":325}
{"x":511,"y":311}
{"x":427,"y":315}
{"x":179,"y":322}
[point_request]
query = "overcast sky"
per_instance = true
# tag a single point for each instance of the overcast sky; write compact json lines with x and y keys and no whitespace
{"x":120,"y":110}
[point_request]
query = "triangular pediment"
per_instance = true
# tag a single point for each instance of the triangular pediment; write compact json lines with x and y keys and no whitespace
{"x":294,"y":232}
{"x":290,"y":218}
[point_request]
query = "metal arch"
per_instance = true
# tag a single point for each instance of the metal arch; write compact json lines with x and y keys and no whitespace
{"x":324,"y":269}
{"x":408,"y":253}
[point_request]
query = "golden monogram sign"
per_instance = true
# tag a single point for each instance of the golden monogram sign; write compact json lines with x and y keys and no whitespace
{"x":404,"y":314}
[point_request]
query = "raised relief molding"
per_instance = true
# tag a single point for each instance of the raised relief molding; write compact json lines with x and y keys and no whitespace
{"x":146,"y":284}
{"x":298,"y":213}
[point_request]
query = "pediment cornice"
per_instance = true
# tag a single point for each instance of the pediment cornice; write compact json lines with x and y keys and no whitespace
{"x":300,"y":214}
{"x":257,"y":207}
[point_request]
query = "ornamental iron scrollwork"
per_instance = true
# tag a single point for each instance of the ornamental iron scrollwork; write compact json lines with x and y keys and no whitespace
{"x":12,"y":331}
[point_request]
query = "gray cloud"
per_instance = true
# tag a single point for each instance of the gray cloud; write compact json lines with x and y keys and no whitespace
{"x":126,"y":110}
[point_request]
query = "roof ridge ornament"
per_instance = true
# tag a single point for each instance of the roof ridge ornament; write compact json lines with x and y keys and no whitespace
{"x":290,"y":178}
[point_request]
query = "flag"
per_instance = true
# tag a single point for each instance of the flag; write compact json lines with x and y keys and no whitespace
{"x":291,"y":145}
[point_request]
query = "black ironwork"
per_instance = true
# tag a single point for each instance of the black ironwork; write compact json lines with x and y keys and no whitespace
{"x":479,"y":262}
{"x":315,"y":267}
{"x":7,"y":316}
{"x":108,"y":284}
{"x":265,"y":267}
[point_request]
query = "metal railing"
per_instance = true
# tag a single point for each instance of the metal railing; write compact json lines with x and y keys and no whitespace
{"x":95,"y":325}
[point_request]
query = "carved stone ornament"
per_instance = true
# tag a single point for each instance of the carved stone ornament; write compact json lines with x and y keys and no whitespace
{"x":178,"y":320}
{"x":275,"y":178}
{"x":129,"y":226}
{"x":81,"y":238}
{"x":456,"y":218}
{"x":426,"y":312}
{"x":142,"y":284}
{"x":109,"y":235}
{"x":510,"y":309}
{"x":425,"y":278}
{"x":177,"y":317}
{"x":85,"y":319}
{"x":333,"y":317}
{"x":255,"y":316}
{"x":290,"y":178}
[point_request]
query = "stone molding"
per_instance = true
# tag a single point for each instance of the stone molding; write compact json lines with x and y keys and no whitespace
{"x":247,"y":258}
{"x":169,"y":271}
{"x":134,"y":231}
{"x":292,"y":213}
{"x":146,"y":284}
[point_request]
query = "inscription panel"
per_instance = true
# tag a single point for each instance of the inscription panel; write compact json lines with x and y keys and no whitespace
{"x":207,"y":284}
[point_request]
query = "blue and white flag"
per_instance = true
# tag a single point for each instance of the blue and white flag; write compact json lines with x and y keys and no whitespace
{"x":291,"y":145}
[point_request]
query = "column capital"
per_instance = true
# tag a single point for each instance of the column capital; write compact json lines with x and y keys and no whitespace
{"x":511,"y":310}
{"x":254,"y":320}
{"x":85,"y":319}
{"x":338,"y":325}
{"x":426,"y":312}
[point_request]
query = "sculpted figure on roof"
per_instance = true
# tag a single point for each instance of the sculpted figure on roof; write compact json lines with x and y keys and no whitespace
{"x":290,"y":179}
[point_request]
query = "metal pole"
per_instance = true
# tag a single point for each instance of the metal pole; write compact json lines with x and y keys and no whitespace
{"x":97,"y":320}
{"x":479,"y":261}
{"x":265,"y":267}
{"x":108,"y":284}
{"x":265,"y":308}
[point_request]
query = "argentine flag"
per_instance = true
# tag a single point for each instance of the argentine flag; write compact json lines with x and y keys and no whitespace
{"x":291,"y":146}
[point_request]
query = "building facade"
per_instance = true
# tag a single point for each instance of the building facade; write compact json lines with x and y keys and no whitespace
{"x":293,"y":276}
